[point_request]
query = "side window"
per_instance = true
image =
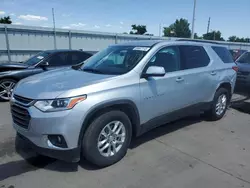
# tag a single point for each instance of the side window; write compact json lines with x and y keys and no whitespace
{"x":223,"y":53}
{"x":78,"y":57}
{"x":58,"y":59}
{"x":193,"y":57}
{"x":168,"y":58}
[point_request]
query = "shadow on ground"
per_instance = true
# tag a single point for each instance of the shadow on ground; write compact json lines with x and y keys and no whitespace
{"x":242,"y":104}
{"x":33,"y":162}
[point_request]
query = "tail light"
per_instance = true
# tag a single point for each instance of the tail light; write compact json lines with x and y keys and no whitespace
{"x":235,"y":68}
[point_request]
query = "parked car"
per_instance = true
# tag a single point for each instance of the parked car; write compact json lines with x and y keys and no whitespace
{"x":120,"y":92}
{"x":236,"y":53}
{"x":11,"y":73}
{"x":243,"y":76}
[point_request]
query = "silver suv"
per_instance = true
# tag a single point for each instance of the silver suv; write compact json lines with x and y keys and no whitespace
{"x":121,"y":92}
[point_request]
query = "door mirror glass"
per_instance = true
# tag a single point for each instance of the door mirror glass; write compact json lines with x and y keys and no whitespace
{"x":154,"y":71}
{"x":44,"y":64}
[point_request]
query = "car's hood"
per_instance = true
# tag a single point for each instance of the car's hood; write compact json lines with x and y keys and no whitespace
{"x":51,"y":84}
{"x":12,"y":66}
{"x":243,"y":67}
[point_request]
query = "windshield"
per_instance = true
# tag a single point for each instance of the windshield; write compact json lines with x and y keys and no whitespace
{"x":37,"y":58}
{"x":245,"y":58}
{"x":115,"y":60}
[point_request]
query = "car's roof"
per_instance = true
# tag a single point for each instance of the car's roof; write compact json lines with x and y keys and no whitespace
{"x":64,"y":50}
{"x":150,"y":43}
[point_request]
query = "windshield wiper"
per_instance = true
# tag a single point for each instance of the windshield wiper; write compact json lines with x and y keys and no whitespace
{"x":92,"y":70}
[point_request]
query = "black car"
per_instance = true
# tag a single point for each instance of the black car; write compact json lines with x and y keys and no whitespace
{"x":11,"y":73}
{"x":243,"y":75}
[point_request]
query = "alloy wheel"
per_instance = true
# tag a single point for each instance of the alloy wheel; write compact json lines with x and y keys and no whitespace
{"x":6,"y":89}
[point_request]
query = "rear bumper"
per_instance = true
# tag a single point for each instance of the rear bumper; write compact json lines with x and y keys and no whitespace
{"x":71,"y":155}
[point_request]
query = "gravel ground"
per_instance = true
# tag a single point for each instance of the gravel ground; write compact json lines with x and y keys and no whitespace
{"x":188,"y":153}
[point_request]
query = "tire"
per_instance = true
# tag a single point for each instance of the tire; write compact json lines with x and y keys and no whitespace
{"x":6,"y":82}
{"x":212,"y":113}
{"x":90,"y":148}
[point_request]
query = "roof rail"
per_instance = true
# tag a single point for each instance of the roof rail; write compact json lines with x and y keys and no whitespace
{"x":195,"y":40}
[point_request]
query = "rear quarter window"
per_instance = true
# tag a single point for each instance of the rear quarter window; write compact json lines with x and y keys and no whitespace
{"x":223,"y":53}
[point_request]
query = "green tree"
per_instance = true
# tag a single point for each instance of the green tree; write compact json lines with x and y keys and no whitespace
{"x":5,"y":20}
{"x":232,"y":38}
{"x":196,"y":36}
{"x":178,"y":29}
{"x":214,"y":35}
{"x":237,"y":39}
{"x":138,"y":29}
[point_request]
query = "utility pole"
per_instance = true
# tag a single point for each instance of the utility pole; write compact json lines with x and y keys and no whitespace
{"x":208,"y":24}
{"x":160,"y":30}
{"x":192,"y":35}
{"x":54,"y":26}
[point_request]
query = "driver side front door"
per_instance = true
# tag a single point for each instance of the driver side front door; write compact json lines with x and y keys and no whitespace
{"x":162,"y":95}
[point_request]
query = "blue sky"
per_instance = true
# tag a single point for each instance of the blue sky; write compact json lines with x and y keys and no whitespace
{"x":229,"y":16}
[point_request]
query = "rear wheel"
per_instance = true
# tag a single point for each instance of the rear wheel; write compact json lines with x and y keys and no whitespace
{"x":219,"y":104}
{"x":6,"y":89}
{"x":107,"y":138}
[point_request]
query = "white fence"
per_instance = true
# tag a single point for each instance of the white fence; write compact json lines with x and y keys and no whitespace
{"x":17,"y":43}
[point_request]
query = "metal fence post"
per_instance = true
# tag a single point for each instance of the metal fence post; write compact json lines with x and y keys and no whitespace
{"x":7,"y":42}
{"x":116,"y":38}
{"x":70,"y":40}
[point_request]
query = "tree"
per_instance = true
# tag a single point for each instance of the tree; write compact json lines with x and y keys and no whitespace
{"x":196,"y":36}
{"x":5,"y":20}
{"x":214,"y":35}
{"x":138,"y":29}
{"x":178,"y":29}
{"x":237,"y":39}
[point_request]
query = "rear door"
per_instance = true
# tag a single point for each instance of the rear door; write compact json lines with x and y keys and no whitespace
{"x":59,"y":60}
{"x":78,"y":57}
{"x":196,"y":73}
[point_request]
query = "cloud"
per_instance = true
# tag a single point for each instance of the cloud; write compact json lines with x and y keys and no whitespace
{"x":97,"y":26}
{"x":121,"y":27}
{"x":65,"y":27}
{"x":77,"y":25}
{"x":108,"y":25}
{"x":12,"y":14}
{"x":17,"y":23}
{"x":66,"y":15}
{"x":29,"y":17}
{"x":121,"y":22}
{"x":2,"y":12}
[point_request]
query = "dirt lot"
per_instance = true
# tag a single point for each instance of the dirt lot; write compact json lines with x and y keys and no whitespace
{"x":189,"y":153}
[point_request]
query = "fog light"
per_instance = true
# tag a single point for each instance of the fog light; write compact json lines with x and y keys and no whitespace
{"x":58,"y":141}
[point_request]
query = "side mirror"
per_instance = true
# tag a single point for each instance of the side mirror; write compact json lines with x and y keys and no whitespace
{"x":44,"y":64}
{"x":156,"y":71}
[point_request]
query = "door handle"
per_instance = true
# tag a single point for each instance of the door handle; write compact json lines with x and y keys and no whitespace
{"x":179,"y":79}
{"x":213,"y":73}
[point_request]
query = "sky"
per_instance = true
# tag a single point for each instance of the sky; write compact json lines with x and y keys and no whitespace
{"x":231,"y":17}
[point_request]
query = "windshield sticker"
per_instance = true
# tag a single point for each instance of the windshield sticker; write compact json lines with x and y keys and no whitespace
{"x":145,"y":49}
{"x":39,"y":57}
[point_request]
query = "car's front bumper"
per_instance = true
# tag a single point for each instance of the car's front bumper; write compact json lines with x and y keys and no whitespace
{"x":41,"y":125}
{"x":71,"y":155}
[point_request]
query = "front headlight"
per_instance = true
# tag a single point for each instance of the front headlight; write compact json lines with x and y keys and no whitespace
{"x":58,"y":104}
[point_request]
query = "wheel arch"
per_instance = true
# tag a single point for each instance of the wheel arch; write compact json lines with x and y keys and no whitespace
{"x":126,"y":106}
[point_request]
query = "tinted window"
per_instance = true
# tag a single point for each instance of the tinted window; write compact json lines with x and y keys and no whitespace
{"x":224,"y":54}
{"x":78,"y":57}
{"x":37,"y":58}
{"x":193,"y":57}
{"x":59,"y":59}
{"x":245,"y":58}
{"x":168,"y":58}
{"x":115,"y":60}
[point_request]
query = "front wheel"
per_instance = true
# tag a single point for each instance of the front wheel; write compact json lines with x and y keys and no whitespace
{"x":107,"y":138}
{"x":6,"y":88}
{"x":219,"y":104}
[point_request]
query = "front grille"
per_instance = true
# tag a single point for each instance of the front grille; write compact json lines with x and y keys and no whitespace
{"x":22,"y":100}
{"x":20,"y":116}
